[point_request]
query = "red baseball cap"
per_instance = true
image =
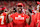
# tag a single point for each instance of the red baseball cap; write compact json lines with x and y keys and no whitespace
{"x":19,"y":4}
{"x":38,"y":2}
{"x":2,"y":8}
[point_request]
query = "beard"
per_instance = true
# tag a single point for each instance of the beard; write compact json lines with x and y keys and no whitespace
{"x":20,"y":11}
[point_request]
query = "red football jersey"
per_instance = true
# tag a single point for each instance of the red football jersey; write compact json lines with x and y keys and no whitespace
{"x":37,"y":18}
{"x":2,"y":19}
{"x":38,"y":24}
{"x":32,"y":21}
{"x":19,"y":19}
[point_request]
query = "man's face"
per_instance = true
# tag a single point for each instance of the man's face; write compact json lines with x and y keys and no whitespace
{"x":19,"y":9}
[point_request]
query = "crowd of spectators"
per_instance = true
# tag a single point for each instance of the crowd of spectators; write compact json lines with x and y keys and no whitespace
{"x":30,"y":5}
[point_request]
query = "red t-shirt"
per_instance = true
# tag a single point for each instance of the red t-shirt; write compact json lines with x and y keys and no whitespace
{"x":19,"y":19}
{"x":32,"y":21}
{"x":37,"y":18}
{"x":39,"y":24}
{"x":3,"y":19}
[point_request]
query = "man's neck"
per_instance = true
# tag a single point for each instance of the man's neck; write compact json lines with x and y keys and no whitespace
{"x":19,"y":12}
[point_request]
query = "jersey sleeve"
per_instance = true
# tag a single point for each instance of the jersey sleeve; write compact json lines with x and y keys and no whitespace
{"x":4,"y":14}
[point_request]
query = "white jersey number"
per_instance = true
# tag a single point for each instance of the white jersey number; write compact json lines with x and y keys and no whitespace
{"x":2,"y":17}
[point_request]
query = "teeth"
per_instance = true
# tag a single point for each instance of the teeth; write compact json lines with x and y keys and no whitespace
{"x":19,"y":9}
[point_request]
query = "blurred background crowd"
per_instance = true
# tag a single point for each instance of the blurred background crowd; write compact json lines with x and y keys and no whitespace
{"x":10,"y":4}
{"x":27,"y":5}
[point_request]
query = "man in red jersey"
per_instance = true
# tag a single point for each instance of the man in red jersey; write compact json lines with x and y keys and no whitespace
{"x":3,"y":17}
{"x":19,"y":18}
{"x":37,"y":17}
{"x":33,"y":22}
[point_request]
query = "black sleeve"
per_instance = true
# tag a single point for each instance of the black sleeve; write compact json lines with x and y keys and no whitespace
{"x":30,"y":10}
